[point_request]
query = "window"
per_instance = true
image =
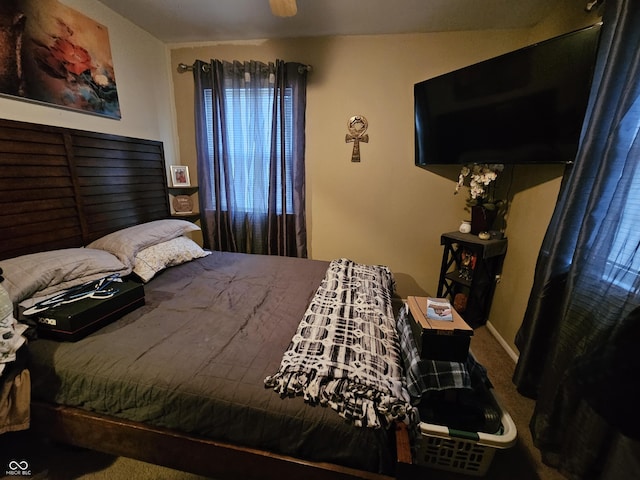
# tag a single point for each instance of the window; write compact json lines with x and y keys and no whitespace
{"x":249,"y":128}
{"x":623,"y":261}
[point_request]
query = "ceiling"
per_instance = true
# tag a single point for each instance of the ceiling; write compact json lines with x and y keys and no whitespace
{"x":193,"y":21}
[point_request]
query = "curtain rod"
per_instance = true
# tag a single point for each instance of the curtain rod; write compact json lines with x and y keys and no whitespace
{"x":183,"y":67}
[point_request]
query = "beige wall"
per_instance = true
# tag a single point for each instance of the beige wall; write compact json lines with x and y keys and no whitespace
{"x":385,"y":209}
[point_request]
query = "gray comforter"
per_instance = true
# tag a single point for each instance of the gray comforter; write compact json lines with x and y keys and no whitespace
{"x":195,"y":356}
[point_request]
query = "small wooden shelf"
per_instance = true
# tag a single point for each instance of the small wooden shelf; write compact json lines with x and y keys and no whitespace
{"x":479,"y":281}
{"x":456,"y":277}
{"x":182,"y":190}
{"x":192,"y":217}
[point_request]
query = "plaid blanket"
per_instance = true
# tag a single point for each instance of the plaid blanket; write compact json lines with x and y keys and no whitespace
{"x":426,"y":377}
{"x":345,"y":353}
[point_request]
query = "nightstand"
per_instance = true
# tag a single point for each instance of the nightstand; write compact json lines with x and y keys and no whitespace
{"x":469,"y":272}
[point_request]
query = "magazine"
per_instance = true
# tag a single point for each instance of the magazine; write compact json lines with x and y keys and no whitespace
{"x":439,"y":309}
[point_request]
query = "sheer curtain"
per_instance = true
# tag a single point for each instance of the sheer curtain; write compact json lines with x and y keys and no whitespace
{"x":250,"y":140}
{"x":581,"y":328}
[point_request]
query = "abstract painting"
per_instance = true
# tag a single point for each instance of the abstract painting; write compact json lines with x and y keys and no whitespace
{"x":52,"y":54}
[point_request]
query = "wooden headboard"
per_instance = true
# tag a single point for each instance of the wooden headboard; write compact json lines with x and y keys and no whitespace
{"x":62,"y":188}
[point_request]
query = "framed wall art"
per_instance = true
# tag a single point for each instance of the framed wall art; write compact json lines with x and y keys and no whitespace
{"x":180,"y":176}
{"x":54,"y":55}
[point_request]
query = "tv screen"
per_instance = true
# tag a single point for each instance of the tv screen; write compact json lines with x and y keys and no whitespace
{"x":525,"y":106}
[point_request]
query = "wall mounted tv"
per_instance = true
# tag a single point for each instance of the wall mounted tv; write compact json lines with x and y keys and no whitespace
{"x":526,"y":106}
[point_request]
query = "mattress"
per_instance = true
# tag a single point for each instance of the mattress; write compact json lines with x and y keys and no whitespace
{"x":195,"y":356}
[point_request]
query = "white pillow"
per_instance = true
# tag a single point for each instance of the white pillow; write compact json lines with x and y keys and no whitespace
{"x":126,"y":243}
{"x":155,"y":258}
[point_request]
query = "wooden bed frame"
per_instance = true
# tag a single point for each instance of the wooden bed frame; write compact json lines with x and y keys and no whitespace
{"x":62,"y":188}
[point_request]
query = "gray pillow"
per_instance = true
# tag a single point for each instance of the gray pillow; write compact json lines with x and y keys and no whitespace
{"x":6,"y":306}
{"x":48,"y":272}
{"x":126,"y":243}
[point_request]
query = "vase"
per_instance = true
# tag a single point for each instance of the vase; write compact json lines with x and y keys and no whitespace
{"x":465,"y":226}
{"x":481,"y":219}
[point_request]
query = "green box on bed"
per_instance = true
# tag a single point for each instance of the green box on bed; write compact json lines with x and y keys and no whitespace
{"x":75,"y":320}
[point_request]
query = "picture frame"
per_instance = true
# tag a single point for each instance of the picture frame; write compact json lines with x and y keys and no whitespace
{"x":180,"y":176}
{"x":55,"y":56}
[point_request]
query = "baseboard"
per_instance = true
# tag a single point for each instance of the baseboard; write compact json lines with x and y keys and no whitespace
{"x":503,"y":343}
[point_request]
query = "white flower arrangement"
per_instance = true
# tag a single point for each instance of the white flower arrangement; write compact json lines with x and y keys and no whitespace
{"x":481,"y":187}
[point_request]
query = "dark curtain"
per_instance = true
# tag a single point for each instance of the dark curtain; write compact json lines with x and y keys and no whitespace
{"x":578,"y":339}
{"x":250,"y":140}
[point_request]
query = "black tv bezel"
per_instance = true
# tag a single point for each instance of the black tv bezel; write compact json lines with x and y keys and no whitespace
{"x":424,"y":159}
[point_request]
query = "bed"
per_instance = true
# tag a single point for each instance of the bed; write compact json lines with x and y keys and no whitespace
{"x":224,"y":319}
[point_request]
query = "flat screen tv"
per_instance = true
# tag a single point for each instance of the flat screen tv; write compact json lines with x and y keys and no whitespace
{"x":526,"y":106}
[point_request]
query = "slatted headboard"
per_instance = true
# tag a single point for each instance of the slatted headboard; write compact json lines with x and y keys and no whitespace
{"x":62,"y":188}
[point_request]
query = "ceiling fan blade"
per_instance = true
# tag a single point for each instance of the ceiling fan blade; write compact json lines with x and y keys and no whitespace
{"x":283,"y":8}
